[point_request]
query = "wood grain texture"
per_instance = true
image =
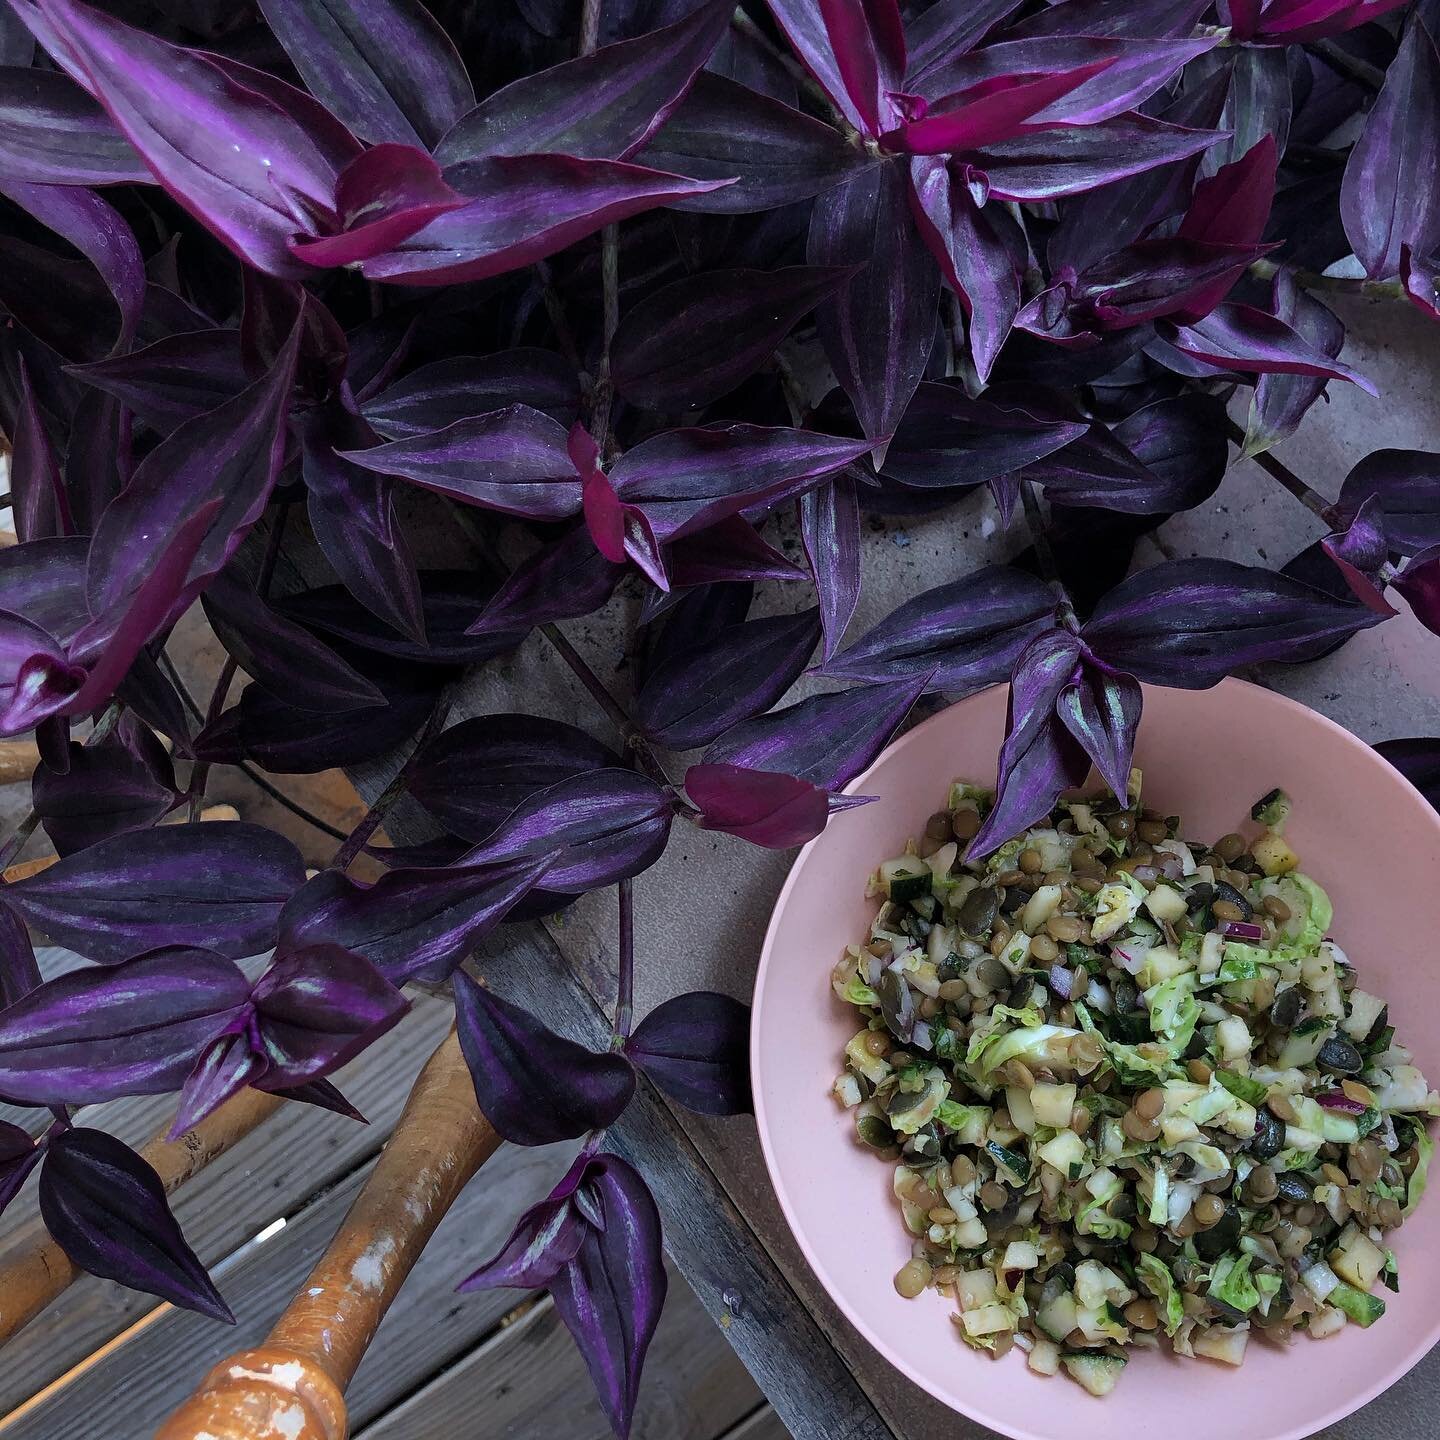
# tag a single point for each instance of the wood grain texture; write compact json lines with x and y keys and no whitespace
{"x":529,"y":1381}
{"x":18,"y":759}
{"x":764,"y":1424}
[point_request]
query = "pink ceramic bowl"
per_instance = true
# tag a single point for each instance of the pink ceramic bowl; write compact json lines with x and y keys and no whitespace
{"x":1361,"y":831}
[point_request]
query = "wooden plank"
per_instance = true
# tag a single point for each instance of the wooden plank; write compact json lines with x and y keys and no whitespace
{"x":267,"y":1176}
{"x":763,"y":1424}
{"x":138,"y":1381}
{"x":529,"y":1380}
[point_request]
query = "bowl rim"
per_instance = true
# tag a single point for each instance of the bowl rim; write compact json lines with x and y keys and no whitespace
{"x":1406,"y":1356}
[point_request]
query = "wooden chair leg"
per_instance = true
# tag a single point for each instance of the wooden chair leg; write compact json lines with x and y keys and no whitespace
{"x":292,"y":1387}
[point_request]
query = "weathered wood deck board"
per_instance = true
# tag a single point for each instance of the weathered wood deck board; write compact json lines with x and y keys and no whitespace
{"x":270,"y":1174}
{"x":529,"y":1381}
{"x":764,"y":1424}
{"x":144,"y":1377}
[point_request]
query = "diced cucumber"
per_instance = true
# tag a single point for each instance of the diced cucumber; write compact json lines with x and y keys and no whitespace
{"x":1273,"y":855}
{"x":1097,"y":1373}
{"x":1057,"y":1317}
{"x":988,"y":1320}
{"x":1363,"y":1309}
{"x":1357,"y":1258}
{"x":1301,"y":1047}
{"x":905,"y":878}
{"x":1065,"y":1150}
{"x":1271,"y":810}
{"x":1053,"y":1104}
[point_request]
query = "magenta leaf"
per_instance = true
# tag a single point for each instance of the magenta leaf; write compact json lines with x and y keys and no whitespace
{"x":474,"y":774}
{"x":761,"y":806}
{"x":521,"y":209}
{"x":385,"y":68}
{"x":1189,"y":623}
{"x":828,"y":739}
{"x":1281,"y":401}
{"x":215,"y":886}
{"x":1407,"y":485}
{"x":566,"y":578}
{"x":1301,"y":21}
{"x":106,"y":1209}
{"x":621,"y":531}
{"x":106,"y":790}
{"x":879,"y":330}
{"x":963,"y":635}
{"x":1419,"y":583}
{"x":830,"y":530}
{"x":696,"y":1048}
{"x":534,"y":1086}
{"x":694,"y":340}
{"x":775,"y":154}
{"x":53,"y":133}
{"x":130,"y":1029}
{"x":512,"y":460}
{"x":700,"y":692}
{"x":602,"y":106}
{"x":854,"y":48}
{"x":1360,"y":550}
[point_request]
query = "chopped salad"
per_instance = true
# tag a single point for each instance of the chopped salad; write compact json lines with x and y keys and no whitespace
{"x":1133,"y":1092}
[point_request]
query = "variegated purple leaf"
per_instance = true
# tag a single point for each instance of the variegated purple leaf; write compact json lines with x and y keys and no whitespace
{"x":1189,"y":623}
{"x":1240,"y":337}
{"x":1419,"y":583}
{"x":1153,"y":278}
{"x":53,"y":133}
{"x":39,"y":506}
{"x":521,"y":209}
{"x":249,"y":157}
{"x":1359,"y":552}
{"x":1101,"y":709}
{"x":731,"y":550}
{"x":19,"y":971}
{"x":44,"y":581}
{"x":701,"y":692}
{"x":106,"y":790}
{"x":566,"y":578}
{"x":1281,"y":401}
{"x":696,"y":618}
{"x":947,"y":29}
{"x":775,"y":154}
{"x":513,"y":460}
{"x":1298,"y":22}
{"x":1124,"y":19}
{"x":622,"y":531}
{"x":696,"y":1048}
{"x":1407,"y":485}
{"x":827,"y":739}
{"x":1259,"y":101}
{"x":879,"y":330}
{"x":546,"y":1238}
{"x":131,"y":1029}
{"x":438,"y":394}
{"x":320,"y":1093}
{"x":830,"y":530}
{"x":696,"y":339}
{"x":854,"y":48}
{"x":534,"y":1086}
{"x":1418,"y":760}
{"x":225,"y":1067}
{"x":385,"y":68}
{"x":1421,"y":281}
{"x":411,"y":923}
{"x":963,"y":635}
{"x":596,"y":828}
{"x":19,"y":1155}
{"x":762,"y":806}
{"x":475,"y":773}
{"x":601,"y":106}
{"x":217,"y":886}
{"x":106,"y":1209}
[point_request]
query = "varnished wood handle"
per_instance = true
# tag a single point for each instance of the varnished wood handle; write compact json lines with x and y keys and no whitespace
{"x":292,"y":1387}
{"x":18,"y":759}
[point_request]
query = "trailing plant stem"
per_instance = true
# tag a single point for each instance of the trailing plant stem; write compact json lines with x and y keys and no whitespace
{"x":625,"y":991}
{"x":1046,"y":556}
{"x":1312,"y":500}
{"x":1341,"y":284}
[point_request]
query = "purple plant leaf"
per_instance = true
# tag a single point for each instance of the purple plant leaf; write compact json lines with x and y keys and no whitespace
{"x":53,"y":133}
{"x":1153,"y":278}
{"x":317,"y":1008}
{"x":40,"y":508}
{"x":106,"y":1209}
{"x":731,"y":550}
{"x":44,"y":581}
{"x":534,"y":1086}
{"x":1101,"y":709}
{"x":962,"y":636}
{"x":228,"y":458}
{"x":694,"y":619}
{"x":216,"y":886}
{"x":696,"y":1048}
{"x":1391,"y":190}
{"x":856,"y":52}
{"x":385,"y":68}
{"x":352,"y":512}
{"x":1418,"y":760}
{"x":1359,"y":552}
{"x":521,"y":209}
{"x":1419,"y":583}
{"x":1407,"y":485}
{"x":611,"y":1294}
{"x":1421,"y":281}
{"x":382,"y":197}
{"x":775,"y":154}
{"x":547,"y":1237}
{"x":151,"y":697}
{"x":19,"y":1155}
{"x":567,"y":578}
{"x":474,"y":774}
{"x":949,"y":28}
{"x":227,"y":1066}
{"x":131,"y":1029}
{"x":1189,"y":623}
{"x":1302,"y":21}
{"x":699,"y":693}
{"x":878,"y":331}
{"x":513,"y":460}
{"x":174,"y":380}
{"x":1125,"y":19}
{"x":762,"y":806}
{"x":596,"y":828}
{"x":1281,"y":401}
{"x":694,"y":340}
{"x":411,"y":923}
{"x":827,"y":739}
{"x":970,"y":245}
{"x":602,"y":106}
{"x":106,"y":790}
{"x":830,"y":530}
{"x":1071,"y":160}
{"x":320,"y":1093}
{"x":461,"y":388}
{"x":241,"y":151}
{"x":19,"y":971}
{"x":36,"y":679}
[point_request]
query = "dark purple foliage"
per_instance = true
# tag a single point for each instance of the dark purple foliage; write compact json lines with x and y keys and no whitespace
{"x":696,"y":1048}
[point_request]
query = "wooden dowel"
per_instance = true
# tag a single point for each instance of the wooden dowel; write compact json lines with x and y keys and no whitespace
{"x":18,"y":759}
{"x":34,"y":1270}
{"x":292,"y":1387}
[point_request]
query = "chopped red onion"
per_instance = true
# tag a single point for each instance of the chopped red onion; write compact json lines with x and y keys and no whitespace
{"x":1335,"y":1100}
{"x":1242,"y":930}
{"x":1061,"y":981}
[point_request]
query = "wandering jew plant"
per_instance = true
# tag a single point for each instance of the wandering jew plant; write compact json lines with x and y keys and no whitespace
{"x":622,"y":285}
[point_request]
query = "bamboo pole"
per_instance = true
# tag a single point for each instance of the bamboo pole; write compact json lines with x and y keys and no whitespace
{"x":18,"y":759}
{"x":292,"y":1387}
